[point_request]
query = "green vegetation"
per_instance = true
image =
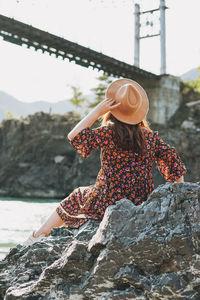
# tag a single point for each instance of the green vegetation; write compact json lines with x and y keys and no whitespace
{"x":99,"y":94}
{"x":77,"y":98}
{"x":192,"y":86}
{"x":100,"y":90}
{"x":9,"y":116}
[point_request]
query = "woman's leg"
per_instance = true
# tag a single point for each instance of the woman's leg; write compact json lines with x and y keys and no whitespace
{"x":53,"y":221}
{"x":73,"y":206}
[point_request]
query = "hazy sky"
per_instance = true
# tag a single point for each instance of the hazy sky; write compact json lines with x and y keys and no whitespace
{"x":103,"y":25}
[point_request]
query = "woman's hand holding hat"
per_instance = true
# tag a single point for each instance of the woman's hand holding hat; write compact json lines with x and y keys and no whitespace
{"x":99,"y":110}
{"x":125,"y":94}
{"x":106,"y":105}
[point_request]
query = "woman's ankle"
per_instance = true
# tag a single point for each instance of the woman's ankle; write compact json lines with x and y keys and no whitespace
{"x":35,"y":235}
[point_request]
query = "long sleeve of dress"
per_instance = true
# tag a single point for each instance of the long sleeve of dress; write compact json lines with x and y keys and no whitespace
{"x":89,"y":139}
{"x":168,"y":161}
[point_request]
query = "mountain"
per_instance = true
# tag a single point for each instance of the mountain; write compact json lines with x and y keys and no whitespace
{"x":19,"y":108}
{"x":192,"y":74}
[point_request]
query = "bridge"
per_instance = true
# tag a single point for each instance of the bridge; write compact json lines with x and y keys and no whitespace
{"x":162,"y":90}
{"x":19,"y":33}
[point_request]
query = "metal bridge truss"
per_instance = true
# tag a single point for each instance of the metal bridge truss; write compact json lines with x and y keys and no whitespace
{"x":19,"y":33}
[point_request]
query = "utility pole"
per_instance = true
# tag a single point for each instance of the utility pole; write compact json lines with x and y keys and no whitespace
{"x":162,"y":37}
{"x":162,"y":34}
{"x":137,"y":36}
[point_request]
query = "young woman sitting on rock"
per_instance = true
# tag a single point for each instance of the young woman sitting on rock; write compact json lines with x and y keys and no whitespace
{"x":128,"y":150}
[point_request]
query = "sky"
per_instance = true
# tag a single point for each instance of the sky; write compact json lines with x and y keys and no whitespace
{"x":106,"y":26}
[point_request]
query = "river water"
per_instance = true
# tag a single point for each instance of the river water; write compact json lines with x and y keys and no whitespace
{"x":19,"y":217}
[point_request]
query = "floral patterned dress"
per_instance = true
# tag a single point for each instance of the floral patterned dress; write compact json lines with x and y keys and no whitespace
{"x":123,"y":174}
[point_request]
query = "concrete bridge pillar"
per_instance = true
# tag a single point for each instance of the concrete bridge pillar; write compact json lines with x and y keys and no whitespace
{"x":164,"y":97}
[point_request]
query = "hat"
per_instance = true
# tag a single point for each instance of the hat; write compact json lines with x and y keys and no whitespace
{"x":133,"y":98}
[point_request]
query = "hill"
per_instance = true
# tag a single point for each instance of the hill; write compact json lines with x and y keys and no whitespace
{"x":192,"y":74}
{"x":19,"y":108}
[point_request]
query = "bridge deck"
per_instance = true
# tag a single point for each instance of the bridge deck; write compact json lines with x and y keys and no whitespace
{"x":19,"y":33}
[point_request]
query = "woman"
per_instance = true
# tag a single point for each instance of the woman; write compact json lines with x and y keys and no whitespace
{"x":128,"y":149}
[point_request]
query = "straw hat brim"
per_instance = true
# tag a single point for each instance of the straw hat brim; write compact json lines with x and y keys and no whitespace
{"x":133,"y":117}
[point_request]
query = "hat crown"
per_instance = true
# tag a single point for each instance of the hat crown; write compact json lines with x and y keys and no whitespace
{"x":134,"y":103}
{"x":129,"y":97}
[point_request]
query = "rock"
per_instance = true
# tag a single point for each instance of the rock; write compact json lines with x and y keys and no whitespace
{"x":145,"y":252}
{"x":58,"y":159}
{"x":193,"y":103}
{"x":188,"y":147}
{"x":3,"y":192}
{"x":188,"y":125}
{"x":189,"y":108}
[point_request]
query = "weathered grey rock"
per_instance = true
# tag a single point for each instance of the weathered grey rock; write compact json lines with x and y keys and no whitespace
{"x":188,"y":125}
{"x":151,"y":251}
{"x":25,"y":264}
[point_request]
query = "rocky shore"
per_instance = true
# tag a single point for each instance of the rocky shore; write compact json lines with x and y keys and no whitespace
{"x":142,"y":252}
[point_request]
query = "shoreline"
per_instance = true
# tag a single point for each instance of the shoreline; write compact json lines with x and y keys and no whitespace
{"x":28,"y":199}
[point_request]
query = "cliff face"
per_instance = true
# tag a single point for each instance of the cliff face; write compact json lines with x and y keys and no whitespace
{"x":137,"y":252}
{"x":36,"y":159}
{"x":186,"y":141}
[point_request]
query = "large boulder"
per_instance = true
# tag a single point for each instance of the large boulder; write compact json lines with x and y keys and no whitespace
{"x":151,"y":251}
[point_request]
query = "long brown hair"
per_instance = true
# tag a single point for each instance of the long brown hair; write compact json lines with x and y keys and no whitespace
{"x":127,"y":136}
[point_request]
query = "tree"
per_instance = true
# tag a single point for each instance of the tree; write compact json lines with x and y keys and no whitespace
{"x":77,"y":98}
{"x":100,"y":90}
{"x":9,"y":115}
{"x":192,"y":85}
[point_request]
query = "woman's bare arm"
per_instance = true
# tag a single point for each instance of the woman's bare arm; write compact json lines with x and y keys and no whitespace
{"x":99,"y":110}
{"x":86,"y":122}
